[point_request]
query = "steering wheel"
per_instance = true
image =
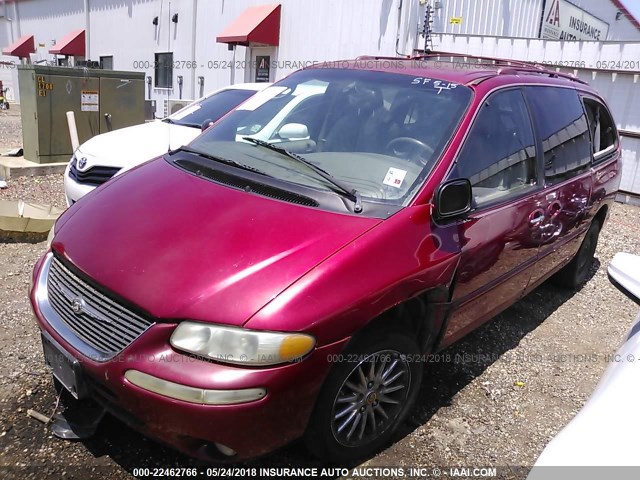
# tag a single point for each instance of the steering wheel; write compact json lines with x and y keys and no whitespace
{"x":410,"y":148}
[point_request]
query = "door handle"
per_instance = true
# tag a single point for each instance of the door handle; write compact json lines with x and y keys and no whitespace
{"x":107,"y":118}
{"x":536,"y":217}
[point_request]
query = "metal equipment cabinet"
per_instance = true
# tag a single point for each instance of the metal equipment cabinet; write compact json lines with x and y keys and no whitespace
{"x":102,"y":100}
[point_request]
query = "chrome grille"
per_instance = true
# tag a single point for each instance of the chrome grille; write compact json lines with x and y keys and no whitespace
{"x":94,"y":176}
{"x":101,"y":322}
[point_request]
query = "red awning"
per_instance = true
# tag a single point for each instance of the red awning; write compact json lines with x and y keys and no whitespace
{"x":259,"y":24}
{"x":21,"y":48}
{"x":71,"y":44}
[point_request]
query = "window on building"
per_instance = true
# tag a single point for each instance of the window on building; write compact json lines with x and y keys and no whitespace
{"x":564,"y":131}
{"x":164,"y":70}
{"x":106,"y":63}
{"x":499,"y":155}
{"x":602,"y":128}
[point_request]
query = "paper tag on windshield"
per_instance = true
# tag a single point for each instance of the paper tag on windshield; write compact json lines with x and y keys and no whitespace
{"x":395,"y":177}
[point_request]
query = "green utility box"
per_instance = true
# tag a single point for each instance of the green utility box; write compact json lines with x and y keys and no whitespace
{"x":102,"y":100}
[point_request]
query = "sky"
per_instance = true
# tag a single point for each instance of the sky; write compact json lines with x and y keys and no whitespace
{"x":633,"y":6}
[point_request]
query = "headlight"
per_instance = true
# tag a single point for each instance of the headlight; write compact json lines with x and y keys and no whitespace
{"x":239,"y":345}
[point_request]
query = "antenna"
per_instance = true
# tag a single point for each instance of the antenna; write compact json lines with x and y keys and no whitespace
{"x":171,"y":82}
{"x":427,"y":29}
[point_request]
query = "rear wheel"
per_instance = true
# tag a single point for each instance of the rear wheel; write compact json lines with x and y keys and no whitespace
{"x":575,"y":272}
{"x":365,"y":398}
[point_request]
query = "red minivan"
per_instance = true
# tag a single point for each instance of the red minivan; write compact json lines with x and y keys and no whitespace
{"x":284,"y":275}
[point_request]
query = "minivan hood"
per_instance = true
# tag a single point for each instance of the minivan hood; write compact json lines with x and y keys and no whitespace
{"x":131,"y":146}
{"x":182,"y":247}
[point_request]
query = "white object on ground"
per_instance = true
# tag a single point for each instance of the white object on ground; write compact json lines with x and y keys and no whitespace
{"x":38,"y":416}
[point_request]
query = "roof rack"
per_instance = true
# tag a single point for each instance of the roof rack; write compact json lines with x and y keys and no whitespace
{"x":544,"y":71}
{"x":512,"y":67}
{"x":382,"y":57}
{"x":491,"y":60}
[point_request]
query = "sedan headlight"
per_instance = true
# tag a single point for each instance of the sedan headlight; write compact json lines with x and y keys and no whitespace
{"x":240,"y":346}
{"x":52,"y":233}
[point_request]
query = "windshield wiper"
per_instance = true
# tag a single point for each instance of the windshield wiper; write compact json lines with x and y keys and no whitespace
{"x":351,"y":193}
{"x":171,"y":121}
{"x":226,"y":161}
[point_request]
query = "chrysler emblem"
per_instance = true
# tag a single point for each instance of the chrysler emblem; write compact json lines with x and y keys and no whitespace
{"x":77,"y":305}
{"x":80,"y":307}
{"x":82,"y":162}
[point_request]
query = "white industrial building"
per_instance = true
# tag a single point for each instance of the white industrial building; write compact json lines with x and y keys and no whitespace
{"x":188,"y":47}
{"x":523,"y":18}
{"x":139,"y":34}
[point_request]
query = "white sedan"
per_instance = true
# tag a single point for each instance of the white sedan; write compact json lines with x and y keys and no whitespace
{"x":104,"y":156}
{"x":605,"y":431}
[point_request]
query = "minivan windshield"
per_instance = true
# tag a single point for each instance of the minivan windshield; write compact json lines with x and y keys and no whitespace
{"x":378,"y":133}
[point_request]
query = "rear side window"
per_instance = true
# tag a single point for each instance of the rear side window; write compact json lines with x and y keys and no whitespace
{"x":499,"y":155}
{"x":602,"y":129}
{"x":563,"y":129}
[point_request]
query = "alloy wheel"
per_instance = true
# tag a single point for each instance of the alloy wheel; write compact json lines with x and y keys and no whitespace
{"x":371,"y":398}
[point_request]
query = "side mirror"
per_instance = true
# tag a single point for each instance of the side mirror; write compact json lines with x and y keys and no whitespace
{"x":206,"y":124}
{"x":294,"y":131}
{"x":453,"y":198}
{"x":624,"y":274}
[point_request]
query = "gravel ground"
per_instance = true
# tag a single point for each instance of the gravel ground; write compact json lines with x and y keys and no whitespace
{"x":45,"y":190}
{"x":10,"y":128}
{"x":494,"y":399}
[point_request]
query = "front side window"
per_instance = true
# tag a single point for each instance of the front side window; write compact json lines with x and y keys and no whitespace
{"x":377,"y":133}
{"x":499,"y":155}
{"x":562,"y":124}
{"x":164,"y":70}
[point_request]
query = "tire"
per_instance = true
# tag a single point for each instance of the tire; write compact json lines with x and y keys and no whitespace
{"x":575,"y":272}
{"x":341,"y":430}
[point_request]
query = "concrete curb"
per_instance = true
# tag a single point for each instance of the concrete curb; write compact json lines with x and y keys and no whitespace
{"x":14,"y":167}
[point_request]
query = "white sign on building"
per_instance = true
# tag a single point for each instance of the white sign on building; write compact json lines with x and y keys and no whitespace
{"x":562,"y":20}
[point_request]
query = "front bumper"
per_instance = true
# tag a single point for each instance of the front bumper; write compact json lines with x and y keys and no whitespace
{"x":250,"y":429}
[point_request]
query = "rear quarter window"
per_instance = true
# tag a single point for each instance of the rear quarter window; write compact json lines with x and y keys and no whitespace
{"x":563,"y":129}
{"x":604,"y":136}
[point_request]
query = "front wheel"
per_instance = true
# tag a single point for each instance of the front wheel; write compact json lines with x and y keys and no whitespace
{"x":365,"y":398}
